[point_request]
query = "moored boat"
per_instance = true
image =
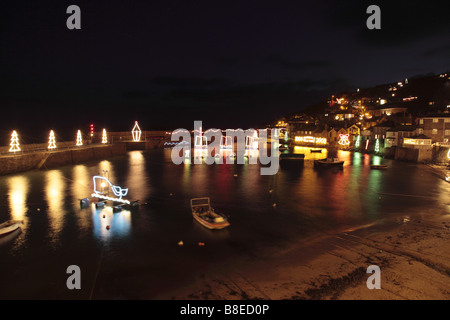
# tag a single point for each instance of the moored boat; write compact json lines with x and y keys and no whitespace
{"x":9,"y":226}
{"x":330,"y":162}
{"x":205,"y":215}
{"x":378,"y":166}
{"x":292,"y":156}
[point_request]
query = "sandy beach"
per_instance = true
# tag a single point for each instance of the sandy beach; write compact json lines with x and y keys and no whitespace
{"x":413,"y":255}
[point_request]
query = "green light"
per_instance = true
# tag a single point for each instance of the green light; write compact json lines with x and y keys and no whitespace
{"x":358,"y":139}
{"x":377,"y":146}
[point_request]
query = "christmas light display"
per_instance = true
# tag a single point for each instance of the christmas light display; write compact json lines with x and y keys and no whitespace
{"x":104,"y":137}
{"x":226,"y":143}
{"x":367,"y":144}
{"x":79,"y":139}
{"x":377,"y":145}
{"x":91,"y":129}
{"x":14,"y":142}
{"x":51,"y":140}
{"x":136,"y":132}
{"x":343,"y":139}
{"x":118,"y":191}
{"x":358,"y":141}
{"x":309,"y":139}
{"x":251,"y":142}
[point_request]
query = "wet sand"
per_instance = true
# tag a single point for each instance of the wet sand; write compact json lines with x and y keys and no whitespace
{"x":413,"y":255}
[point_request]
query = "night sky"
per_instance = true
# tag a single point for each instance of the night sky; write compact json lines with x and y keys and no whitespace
{"x":229,"y":63}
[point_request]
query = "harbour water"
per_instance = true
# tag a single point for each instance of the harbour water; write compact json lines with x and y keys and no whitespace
{"x":138,"y":257}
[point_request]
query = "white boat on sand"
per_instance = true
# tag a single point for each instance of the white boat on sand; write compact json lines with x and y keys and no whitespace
{"x":9,"y":226}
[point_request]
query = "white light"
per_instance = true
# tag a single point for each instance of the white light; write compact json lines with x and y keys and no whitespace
{"x":51,"y":140}
{"x":14,"y":142}
{"x":96,"y":195}
{"x":104,"y":137}
{"x":136,"y":132}
{"x":117,"y":190}
{"x":343,"y":139}
{"x":79,"y":140}
{"x":309,"y":139}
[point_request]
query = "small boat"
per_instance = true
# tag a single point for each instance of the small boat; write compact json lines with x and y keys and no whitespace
{"x":316,"y":150}
{"x":9,"y":226}
{"x":378,"y":166}
{"x":205,"y":215}
{"x":330,"y":162}
{"x":292,"y":156}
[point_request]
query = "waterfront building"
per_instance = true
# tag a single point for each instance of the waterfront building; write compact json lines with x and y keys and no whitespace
{"x":420,"y":141}
{"x":437,"y":127}
{"x":395,"y":135}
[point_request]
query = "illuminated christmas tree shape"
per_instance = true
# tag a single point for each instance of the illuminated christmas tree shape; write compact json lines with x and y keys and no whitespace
{"x":377,"y":145}
{"x":105,"y":138}
{"x":358,"y":141}
{"x":51,"y":140}
{"x":79,"y":139}
{"x":136,"y":132}
{"x":448,"y":154}
{"x":14,"y":142}
{"x":343,"y":139}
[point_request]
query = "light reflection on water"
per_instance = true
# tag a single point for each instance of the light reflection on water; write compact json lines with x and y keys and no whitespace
{"x":55,"y":196}
{"x":263,"y":210}
{"x":18,"y":191}
{"x":119,"y":223}
{"x":305,"y":197}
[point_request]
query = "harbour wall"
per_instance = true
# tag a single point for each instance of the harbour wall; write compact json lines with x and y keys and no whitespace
{"x":20,"y":162}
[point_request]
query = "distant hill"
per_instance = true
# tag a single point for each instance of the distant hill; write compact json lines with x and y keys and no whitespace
{"x":421,"y":95}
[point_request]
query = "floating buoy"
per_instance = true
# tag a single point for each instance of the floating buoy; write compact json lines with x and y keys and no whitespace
{"x":38,"y":209}
{"x":180,"y":243}
{"x":274,"y":205}
{"x":201,"y":244}
{"x":270,"y":191}
{"x":107,"y":227}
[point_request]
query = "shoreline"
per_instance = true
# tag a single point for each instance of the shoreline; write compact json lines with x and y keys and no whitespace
{"x":409,"y":251}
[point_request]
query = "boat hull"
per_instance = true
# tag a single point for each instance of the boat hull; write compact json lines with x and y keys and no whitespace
{"x":378,"y":166}
{"x":9,"y":228}
{"x":330,"y":164}
{"x":210,"y":225}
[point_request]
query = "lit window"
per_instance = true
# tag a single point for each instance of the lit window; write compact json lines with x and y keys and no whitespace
{"x":434,"y":131}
